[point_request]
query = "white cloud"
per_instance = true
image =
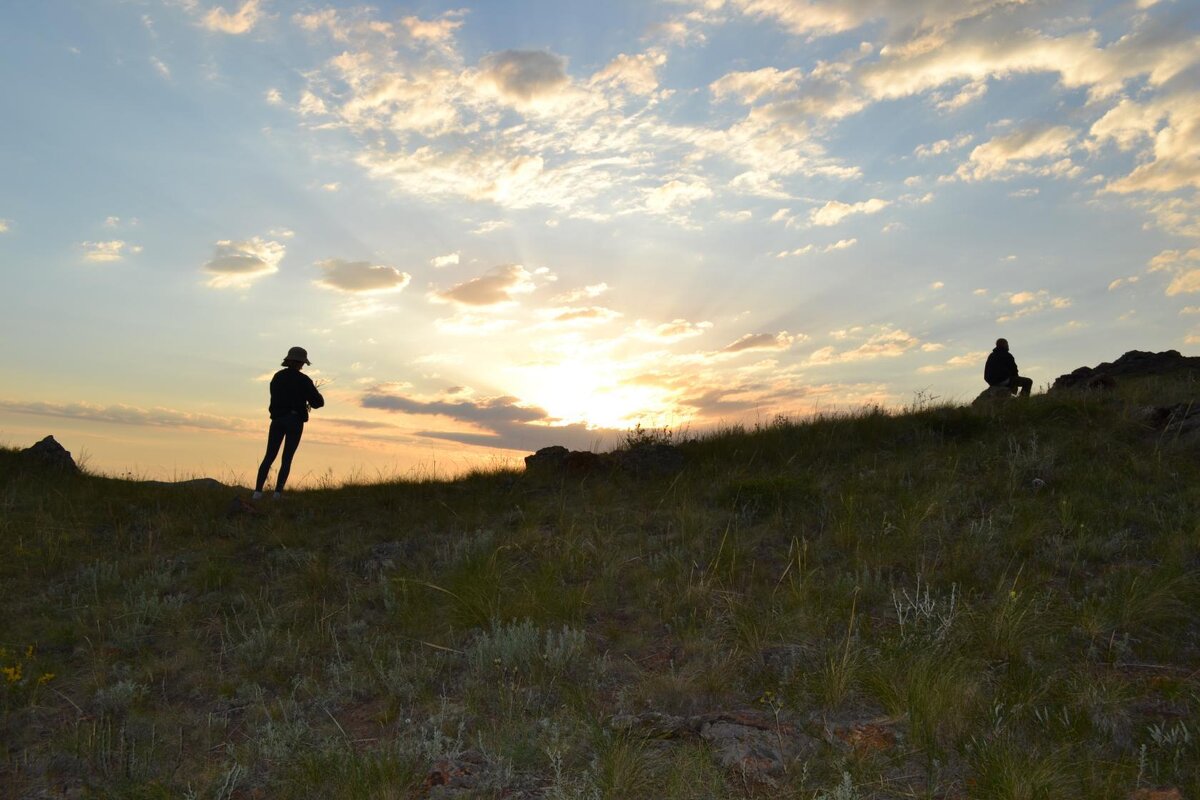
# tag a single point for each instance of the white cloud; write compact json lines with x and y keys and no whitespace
{"x":963,"y":361}
{"x":676,"y":193}
{"x":585,"y":293}
{"x":332,"y":186}
{"x":273,"y":97}
{"x":885,"y":342}
{"x":943,"y":146}
{"x":160,"y":67}
{"x":237,"y":264}
{"x":102,"y":252}
{"x":1027,"y":303}
{"x":635,"y":73}
{"x":361,"y":276}
{"x":5,"y":225}
{"x":241,"y":21}
{"x":835,"y":211}
{"x":1011,"y":153}
{"x":447,"y":260}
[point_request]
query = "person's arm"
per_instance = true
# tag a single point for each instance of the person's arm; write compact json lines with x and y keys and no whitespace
{"x":314,"y":397}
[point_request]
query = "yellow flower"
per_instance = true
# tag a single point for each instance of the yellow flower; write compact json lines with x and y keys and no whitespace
{"x":45,"y":678}
{"x":29,"y":651}
{"x":13,"y":673}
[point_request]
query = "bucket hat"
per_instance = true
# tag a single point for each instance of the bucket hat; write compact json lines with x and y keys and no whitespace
{"x":298,"y":354}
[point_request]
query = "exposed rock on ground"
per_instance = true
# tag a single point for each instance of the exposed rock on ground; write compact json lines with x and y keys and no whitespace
{"x":642,"y":460}
{"x":1135,"y":363}
{"x":49,"y":454}
{"x":755,"y":744}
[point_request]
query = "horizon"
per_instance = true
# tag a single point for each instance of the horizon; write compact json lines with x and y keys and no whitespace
{"x":497,"y":229}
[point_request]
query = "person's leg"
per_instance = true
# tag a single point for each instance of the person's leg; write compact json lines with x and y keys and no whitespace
{"x":290,"y":443}
{"x":1024,"y":384}
{"x":274,"y":439}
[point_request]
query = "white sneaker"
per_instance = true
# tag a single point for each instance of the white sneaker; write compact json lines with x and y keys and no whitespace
{"x":256,"y":496}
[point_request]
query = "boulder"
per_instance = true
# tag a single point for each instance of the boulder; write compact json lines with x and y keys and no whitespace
{"x":49,"y":454}
{"x":548,"y":459}
{"x":993,"y":394}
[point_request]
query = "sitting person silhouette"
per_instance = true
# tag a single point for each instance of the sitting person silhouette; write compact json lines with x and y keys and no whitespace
{"x":292,"y":394}
{"x":1000,"y":372}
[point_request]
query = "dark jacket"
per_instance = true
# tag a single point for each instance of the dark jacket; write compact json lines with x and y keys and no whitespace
{"x":292,"y":392}
{"x":1000,"y":367}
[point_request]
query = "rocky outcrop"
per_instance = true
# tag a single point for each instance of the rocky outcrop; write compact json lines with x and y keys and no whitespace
{"x":1135,"y":363}
{"x":49,"y":454}
{"x":641,"y":460}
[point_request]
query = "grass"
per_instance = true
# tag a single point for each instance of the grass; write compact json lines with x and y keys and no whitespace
{"x":1011,"y":593}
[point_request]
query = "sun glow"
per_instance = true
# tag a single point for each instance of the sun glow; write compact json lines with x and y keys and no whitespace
{"x":595,"y":395}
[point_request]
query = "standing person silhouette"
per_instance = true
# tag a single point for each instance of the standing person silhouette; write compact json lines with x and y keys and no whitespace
{"x":1000,"y":371}
{"x":292,"y":394}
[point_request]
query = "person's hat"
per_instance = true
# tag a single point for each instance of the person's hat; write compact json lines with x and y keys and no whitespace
{"x":298,"y":354}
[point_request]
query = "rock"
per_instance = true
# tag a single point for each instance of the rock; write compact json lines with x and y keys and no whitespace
{"x":641,"y":460}
{"x":757,"y":745}
{"x":194,"y":483}
{"x":455,"y":777}
{"x":1135,"y":363}
{"x":49,"y":454}
{"x":548,"y":459}
{"x":993,"y":394}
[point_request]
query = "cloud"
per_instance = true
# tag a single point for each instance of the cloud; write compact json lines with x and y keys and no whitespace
{"x":835,"y":211}
{"x":160,"y":67}
{"x":524,"y":75}
{"x":241,"y":21}
{"x":963,"y":361}
{"x":103,"y":252}
{"x":808,"y":249}
{"x":676,"y":193}
{"x":237,"y":264}
{"x":499,"y":286}
{"x":575,"y":316}
{"x":506,"y":422}
{"x":1011,"y":153}
{"x":1185,"y":282}
{"x":361,"y":276}
{"x":673,"y":331}
{"x":750,"y":87}
{"x":1028,"y":303}
{"x":488,"y":411}
{"x":1171,"y":126}
{"x":943,"y":146}
{"x":886,"y":342}
{"x":156,"y":417}
{"x":444,"y":261}
{"x":5,"y":225}
{"x":635,"y":73}
{"x":584,"y":293}
{"x":761,"y":341}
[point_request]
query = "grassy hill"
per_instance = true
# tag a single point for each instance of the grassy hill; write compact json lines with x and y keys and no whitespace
{"x":941,"y":603}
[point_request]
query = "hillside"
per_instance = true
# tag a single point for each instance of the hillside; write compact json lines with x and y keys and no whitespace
{"x":950,"y":602}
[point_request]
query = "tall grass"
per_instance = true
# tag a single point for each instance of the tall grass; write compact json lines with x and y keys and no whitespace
{"x":943,"y":602}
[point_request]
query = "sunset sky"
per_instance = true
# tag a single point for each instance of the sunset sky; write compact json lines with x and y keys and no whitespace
{"x":506,"y":224}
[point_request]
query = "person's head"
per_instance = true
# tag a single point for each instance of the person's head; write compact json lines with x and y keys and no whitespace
{"x":296,"y":358}
{"x":1002,"y":344}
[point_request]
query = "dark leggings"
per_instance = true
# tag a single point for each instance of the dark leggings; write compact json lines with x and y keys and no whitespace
{"x":286,"y":432}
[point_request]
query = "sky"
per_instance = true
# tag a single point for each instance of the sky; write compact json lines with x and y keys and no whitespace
{"x":498,"y":226}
